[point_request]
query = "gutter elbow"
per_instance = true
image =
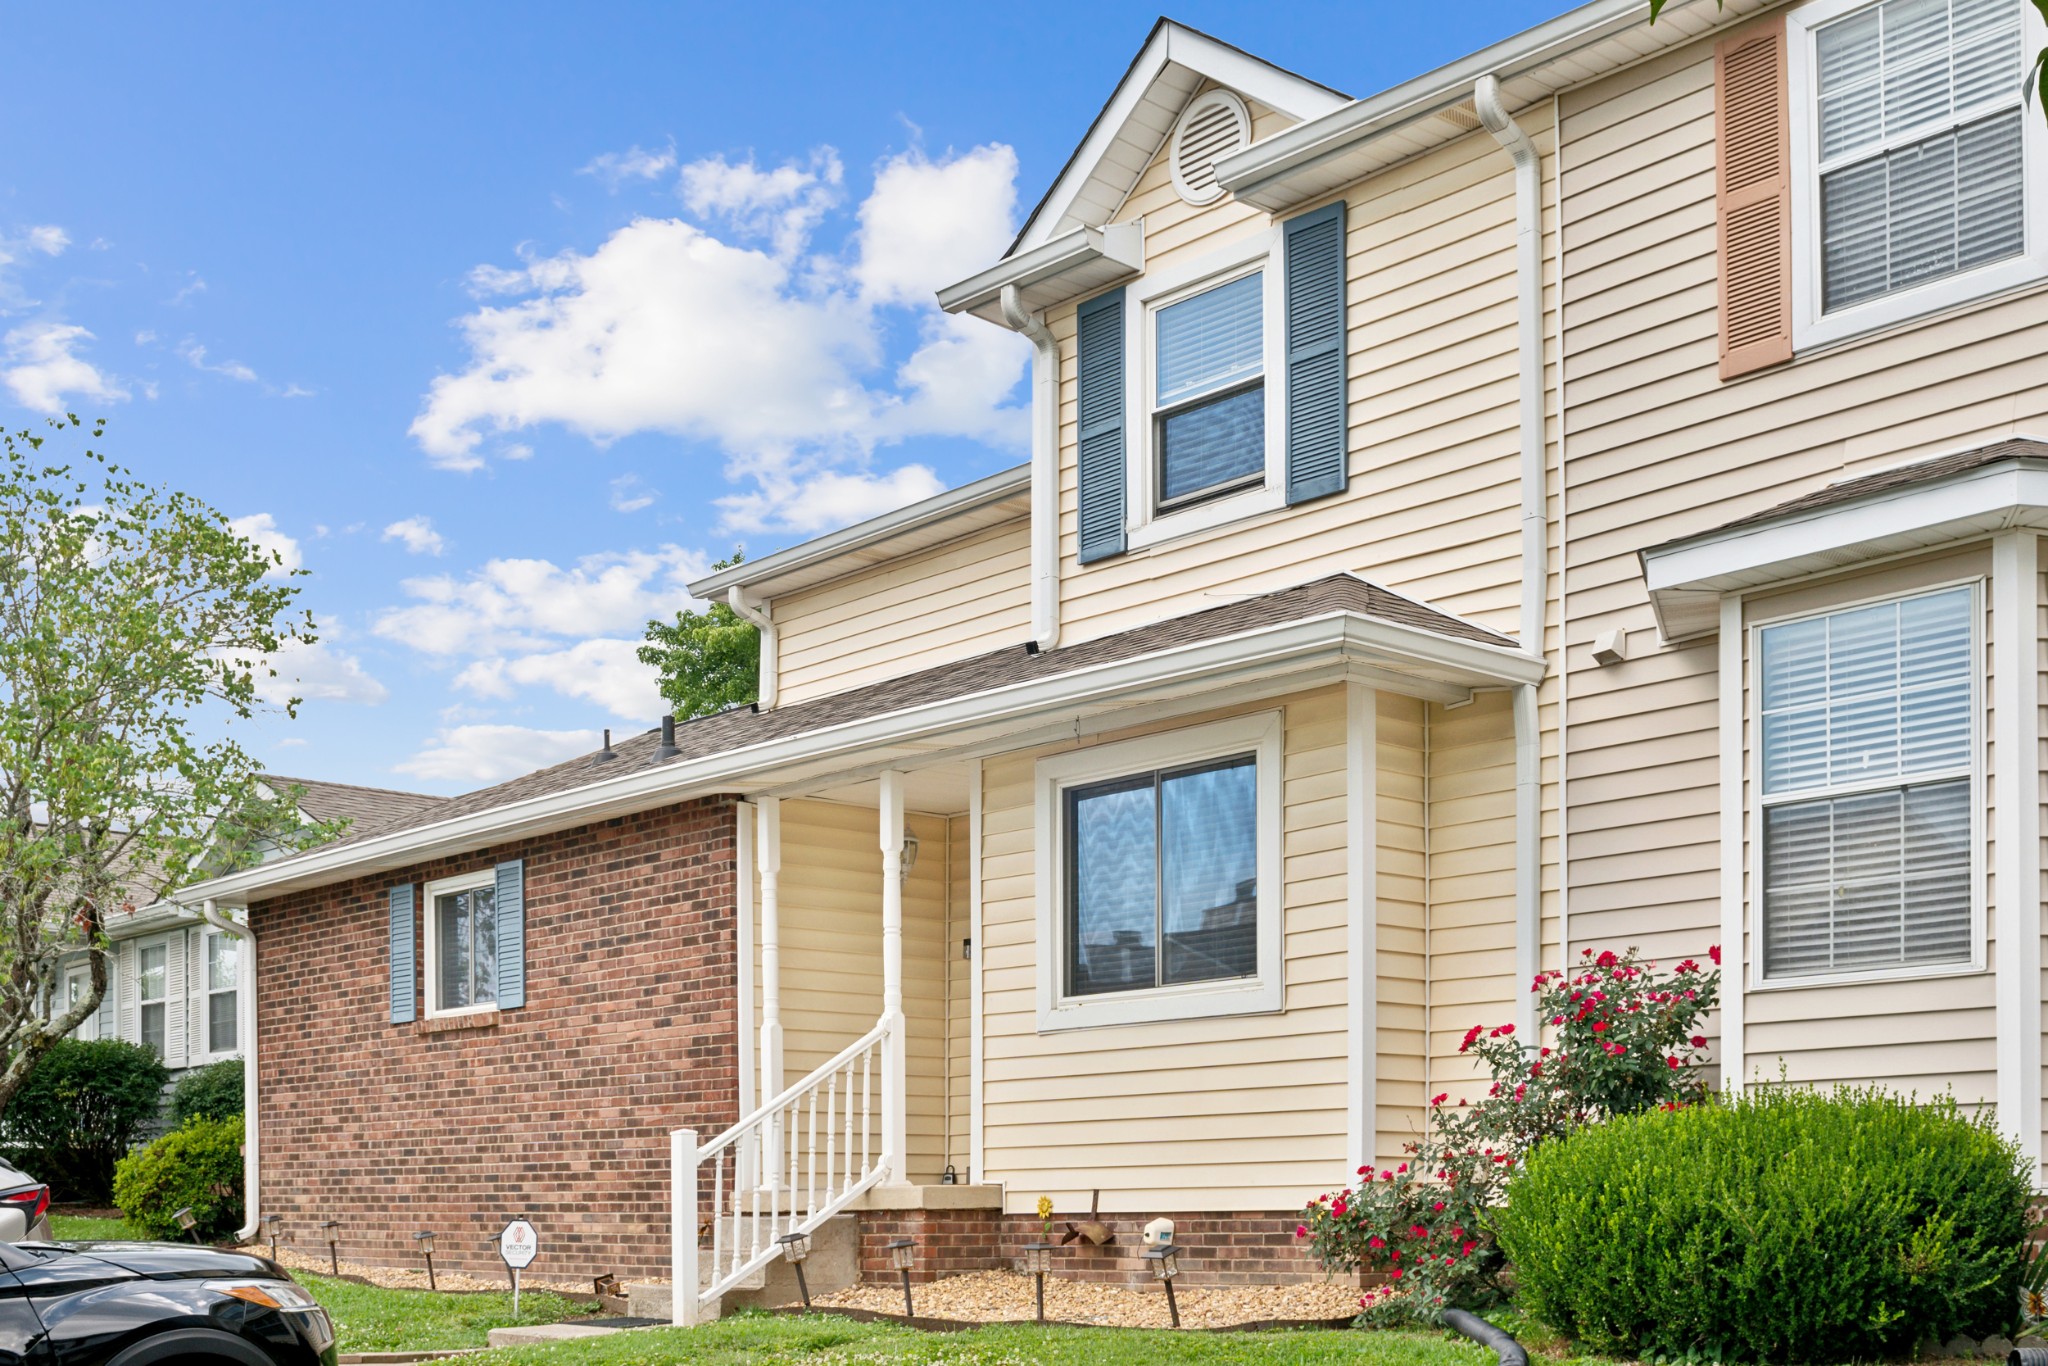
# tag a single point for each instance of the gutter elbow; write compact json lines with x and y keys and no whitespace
{"x":768,"y":682}
{"x":1493,"y":115}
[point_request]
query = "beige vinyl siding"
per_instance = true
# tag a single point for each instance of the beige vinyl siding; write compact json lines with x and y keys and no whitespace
{"x":1658,"y":448}
{"x":831,"y":921}
{"x":959,"y":600}
{"x":1233,"y":1113}
{"x":959,"y":983}
{"x":1402,"y":922}
{"x":1433,"y":502}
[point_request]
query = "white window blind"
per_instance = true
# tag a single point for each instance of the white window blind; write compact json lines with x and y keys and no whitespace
{"x":1209,"y":390}
{"x":1920,"y":145}
{"x":1867,"y":764}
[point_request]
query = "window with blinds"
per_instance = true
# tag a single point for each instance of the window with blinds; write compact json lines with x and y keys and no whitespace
{"x":1163,"y":878}
{"x":1919,"y":141}
{"x":1867,"y":719}
{"x":1209,"y":400}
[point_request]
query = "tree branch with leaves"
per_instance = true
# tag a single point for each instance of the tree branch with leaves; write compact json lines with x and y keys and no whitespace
{"x":709,"y":661}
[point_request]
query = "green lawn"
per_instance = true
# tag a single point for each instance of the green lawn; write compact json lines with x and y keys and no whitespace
{"x":756,"y":1338}
{"x":70,"y":1228}
{"x":369,"y":1318}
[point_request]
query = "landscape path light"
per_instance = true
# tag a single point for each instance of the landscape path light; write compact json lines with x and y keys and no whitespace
{"x":1165,"y":1260}
{"x":273,"y":1222}
{"x":902,"y":1252}
{"x":333,"y":1227}
{"x":1038,"y":1261}
{"x":796,"y":1247}
{"x":187,"y":1222}
{"x":425,"y":1240}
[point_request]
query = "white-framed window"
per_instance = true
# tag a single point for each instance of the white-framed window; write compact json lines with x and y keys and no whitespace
{"x":1868,"y":785}
{"x":462,"y":944}
{"x":1918,"y":172}
{"x":1207,"y":436}
{"x":219,"y":987}
{"x":1159,"y":876}
{"x":78,"y":986}
{"x":152,"y":995}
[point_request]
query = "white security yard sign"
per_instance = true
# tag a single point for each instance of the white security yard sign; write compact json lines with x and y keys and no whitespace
{"x":518,"y":1245}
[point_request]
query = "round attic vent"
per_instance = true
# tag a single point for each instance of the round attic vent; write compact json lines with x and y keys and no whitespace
{"x":1214,"y":126}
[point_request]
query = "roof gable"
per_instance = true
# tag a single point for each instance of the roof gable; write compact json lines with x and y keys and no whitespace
{"x":1175,"y":62}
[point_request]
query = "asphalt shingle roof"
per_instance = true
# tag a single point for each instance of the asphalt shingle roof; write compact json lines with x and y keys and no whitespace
{"x":1898,"y":477}
{"x":364,"y":808}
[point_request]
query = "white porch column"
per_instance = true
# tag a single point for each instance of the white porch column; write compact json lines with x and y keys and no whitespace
{"x":2016,"y":892}
{"x":768,"y":862}
{"x":895,"y":1073}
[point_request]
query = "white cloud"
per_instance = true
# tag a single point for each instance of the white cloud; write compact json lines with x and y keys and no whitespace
{"x":534,"y":605}
{"x":319,"y":673}
{"x":194,"y":286}
{"x":607,"y":672}
{"x":49,"y":239}
{"x":667,"y":327}
{"x":261,"y":528}
{"x":516,"y":451}
{"x":291,"y":742}
{"x":635,"y":163}
{"x":45,"y":240}
{"x":488,"y":754}
{"x":42,"y":367}
{"x":418,"y":534}
{"x":824,"y":500}
{"x":195,"y":355}
{"x":630,"y":493}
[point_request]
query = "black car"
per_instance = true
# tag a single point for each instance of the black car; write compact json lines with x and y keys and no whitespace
{"x":151,"y":1304}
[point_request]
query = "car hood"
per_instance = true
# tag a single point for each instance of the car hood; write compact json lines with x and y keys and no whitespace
{"x":176,"y":1261}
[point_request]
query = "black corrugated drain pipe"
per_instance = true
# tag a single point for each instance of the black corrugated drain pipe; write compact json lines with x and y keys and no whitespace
{"x":1486,"y":1335}
{"x":2027,"y":1356}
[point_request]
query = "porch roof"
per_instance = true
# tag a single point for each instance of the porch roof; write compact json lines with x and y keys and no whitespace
{"x":1332,"y":628}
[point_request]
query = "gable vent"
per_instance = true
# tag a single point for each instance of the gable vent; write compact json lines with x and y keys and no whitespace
{"x":1212,"y":127}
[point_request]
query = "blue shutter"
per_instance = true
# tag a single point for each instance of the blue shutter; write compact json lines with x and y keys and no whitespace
{"x":1099,"y":328}
{"x":511,"y":911}
{"x":404,"y":991}
{"x":1316,"y":421}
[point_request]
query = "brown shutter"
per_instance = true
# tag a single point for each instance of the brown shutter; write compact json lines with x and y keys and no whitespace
{"x":1753,"y":198}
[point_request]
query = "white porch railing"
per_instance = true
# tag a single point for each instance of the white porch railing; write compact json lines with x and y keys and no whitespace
{"x":786,"y":1168}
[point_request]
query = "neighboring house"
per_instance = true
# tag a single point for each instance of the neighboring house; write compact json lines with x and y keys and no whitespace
{"x":1584,"y":496}
{"x":173,"y":981}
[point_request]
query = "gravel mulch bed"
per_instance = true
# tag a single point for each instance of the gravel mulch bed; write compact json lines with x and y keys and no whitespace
{"x":414,"y":1277}
{"x":999,"y":1296}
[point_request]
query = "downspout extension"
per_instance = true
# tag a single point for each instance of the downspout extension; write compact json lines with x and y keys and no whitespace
{"x":1535,"y":535}
{"x":245,"y":1035}
{"x":1045,"y":482}
{"x":770,"y":673}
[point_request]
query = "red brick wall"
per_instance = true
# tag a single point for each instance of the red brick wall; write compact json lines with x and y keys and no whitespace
{"x":559,"y":1110}
{"x":1215,"y":1249}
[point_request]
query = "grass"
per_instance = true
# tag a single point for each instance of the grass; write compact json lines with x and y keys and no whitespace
{"x":771,"y":1338}
{"x":369,"y":1318}
{"x":73,"y":1228}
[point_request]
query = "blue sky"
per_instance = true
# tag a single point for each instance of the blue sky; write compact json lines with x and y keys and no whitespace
{"x":505,"y":321}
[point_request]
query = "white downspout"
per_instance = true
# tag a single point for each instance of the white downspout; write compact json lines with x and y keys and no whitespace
{"x":245,"y":1035}
{"x":771,"y":662}
{"x":1535,"y":539}
{"x":1045,"y":469}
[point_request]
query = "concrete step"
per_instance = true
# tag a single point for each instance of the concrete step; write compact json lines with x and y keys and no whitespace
{"x":526,"y":1335}
{"x":833,"y":1265}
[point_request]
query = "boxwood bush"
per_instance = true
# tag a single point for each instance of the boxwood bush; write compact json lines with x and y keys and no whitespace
{"x":211,"y":1092}
{"x":199,"y":1164}
{"x":1783,"y":1226}
{"x":84,"y":1104}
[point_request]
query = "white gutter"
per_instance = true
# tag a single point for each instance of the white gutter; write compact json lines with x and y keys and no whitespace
{"x":1045,"y":468}
{"x":1013,"y":705}
{"x":1083,"y":259}
{"x":245,"y":1036}
{"x":1535,"y":539}
{"x":770,"y":671}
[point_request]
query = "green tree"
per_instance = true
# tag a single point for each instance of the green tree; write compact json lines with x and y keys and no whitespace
{"x":136,"y":632}
{"x":709,"y":660}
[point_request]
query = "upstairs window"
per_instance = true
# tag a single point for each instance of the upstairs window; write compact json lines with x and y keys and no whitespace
{"x":1209,"y":401}
{"x":1868,"y":720}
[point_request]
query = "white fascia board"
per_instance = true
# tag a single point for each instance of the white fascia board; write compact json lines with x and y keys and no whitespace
{"x":1289,"y":645}
{"x":809,"y":554}
{"x":1685,"y":577}
{"x":1059,"y":269}
{"x":1258,"y":174}
{"x":150,"y":919}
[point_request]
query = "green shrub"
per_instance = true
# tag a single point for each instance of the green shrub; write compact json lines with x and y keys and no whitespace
{"x":198,"y":1164}
{"x":210,"y":1092}
{"x":82,"y":1107}
{"x":1784,"y":1226}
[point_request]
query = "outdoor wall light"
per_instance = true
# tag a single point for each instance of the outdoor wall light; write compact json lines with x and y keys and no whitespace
{"x":910,"y":847}
{"x":902,"y":1252}
{"x":796,"y":1247}
{"x":426,"y":1246}
{"x":1038,"y":1261}
{"x":333,"y":1228}
{"x":1165,"y":1264}
{"x":187,"y":1222}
